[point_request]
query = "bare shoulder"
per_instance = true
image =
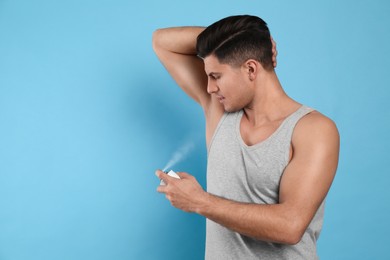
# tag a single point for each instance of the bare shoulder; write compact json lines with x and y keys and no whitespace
{"x":316,"y":123}
{"x":316,"y":129}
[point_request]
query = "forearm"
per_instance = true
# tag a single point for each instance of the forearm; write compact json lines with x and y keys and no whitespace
{"x":176,"y":49}
{"x":273,"y":223}
{"x":180,"y":40}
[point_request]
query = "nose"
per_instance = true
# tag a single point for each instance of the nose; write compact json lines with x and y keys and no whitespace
{"x":212,"y":87}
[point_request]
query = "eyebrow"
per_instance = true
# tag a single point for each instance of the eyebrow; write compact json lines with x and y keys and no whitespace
{"x":213,"y":74}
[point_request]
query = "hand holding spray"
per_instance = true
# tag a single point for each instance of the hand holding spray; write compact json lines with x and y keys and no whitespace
{"x":179,"y":155}
{"x":172,"y":174}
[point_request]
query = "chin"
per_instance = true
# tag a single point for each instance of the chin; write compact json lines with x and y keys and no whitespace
{"x":231,"y":109}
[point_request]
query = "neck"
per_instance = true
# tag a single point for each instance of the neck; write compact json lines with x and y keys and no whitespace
{"x":270,"y":102}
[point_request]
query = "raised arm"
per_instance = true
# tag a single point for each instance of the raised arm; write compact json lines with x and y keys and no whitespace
{"x":175,"y":47}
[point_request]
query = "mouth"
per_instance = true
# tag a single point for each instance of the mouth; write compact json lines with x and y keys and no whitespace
{"x":220,"y":98}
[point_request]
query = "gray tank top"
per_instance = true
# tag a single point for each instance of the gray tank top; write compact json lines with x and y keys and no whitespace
{"x":252,"y":174}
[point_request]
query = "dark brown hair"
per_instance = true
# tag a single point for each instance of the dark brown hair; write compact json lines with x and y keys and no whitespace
{"x":235,"y":39}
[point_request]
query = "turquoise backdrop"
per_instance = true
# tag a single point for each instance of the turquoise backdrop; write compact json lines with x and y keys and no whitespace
{"x":87,"y":113}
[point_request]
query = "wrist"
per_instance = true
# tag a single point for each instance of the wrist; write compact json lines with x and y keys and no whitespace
{"x":204,"y":204}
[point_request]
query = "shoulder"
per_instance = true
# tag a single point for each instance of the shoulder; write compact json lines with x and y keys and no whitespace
{"x":315,"y":120}
{"x":316,"y":129}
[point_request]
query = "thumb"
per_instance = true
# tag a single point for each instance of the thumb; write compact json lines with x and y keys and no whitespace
{"x":161,"y":175}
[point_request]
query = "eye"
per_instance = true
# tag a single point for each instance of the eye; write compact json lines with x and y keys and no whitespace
{"x":215,"y":77}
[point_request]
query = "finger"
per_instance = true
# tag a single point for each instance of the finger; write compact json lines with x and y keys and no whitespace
{"x":183,"y":175}
{"x":162,"y":176}
{"x":274,"y":52}
{"x":274,"y":60}
{"x":274,"y":56}
{"x":165,"y":178}
{"x":161,"y":189}
{"x":273,"y":43}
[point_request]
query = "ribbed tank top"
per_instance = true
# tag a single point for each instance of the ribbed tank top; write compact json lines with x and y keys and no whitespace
{"x":252,"y":174}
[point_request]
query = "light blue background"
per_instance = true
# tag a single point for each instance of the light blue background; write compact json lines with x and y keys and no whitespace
{"x":87,"y":113}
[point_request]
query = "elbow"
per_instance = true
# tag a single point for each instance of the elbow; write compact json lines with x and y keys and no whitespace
{"x":156,"y":39}
{"x":287,"y":233}
{"x":294,"y":234}
{"x":293,"y":239}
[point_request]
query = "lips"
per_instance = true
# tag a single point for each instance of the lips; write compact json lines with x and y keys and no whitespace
{"x":220,"y":98}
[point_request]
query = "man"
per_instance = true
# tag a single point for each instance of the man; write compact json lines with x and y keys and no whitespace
{"x":271,"y":160}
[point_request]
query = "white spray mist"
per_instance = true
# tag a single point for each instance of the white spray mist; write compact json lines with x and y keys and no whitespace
{"x":180,"y":154}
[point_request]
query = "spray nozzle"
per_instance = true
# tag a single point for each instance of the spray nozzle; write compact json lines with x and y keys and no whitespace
{"x":172,"y":174}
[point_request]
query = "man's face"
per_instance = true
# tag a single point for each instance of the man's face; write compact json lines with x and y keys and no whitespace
{"x":230,"y":85}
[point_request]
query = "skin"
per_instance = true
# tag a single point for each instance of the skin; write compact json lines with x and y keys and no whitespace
{"x":220,"y":87}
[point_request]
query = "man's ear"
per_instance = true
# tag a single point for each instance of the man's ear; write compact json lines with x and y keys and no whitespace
{"x":252,"y":68}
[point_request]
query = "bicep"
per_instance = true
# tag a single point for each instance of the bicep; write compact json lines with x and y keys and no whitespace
{"x":309,"y":175}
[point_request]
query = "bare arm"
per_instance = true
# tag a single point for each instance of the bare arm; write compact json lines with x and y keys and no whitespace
{"x":175,"y":47}
{"x":304,"y":185}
